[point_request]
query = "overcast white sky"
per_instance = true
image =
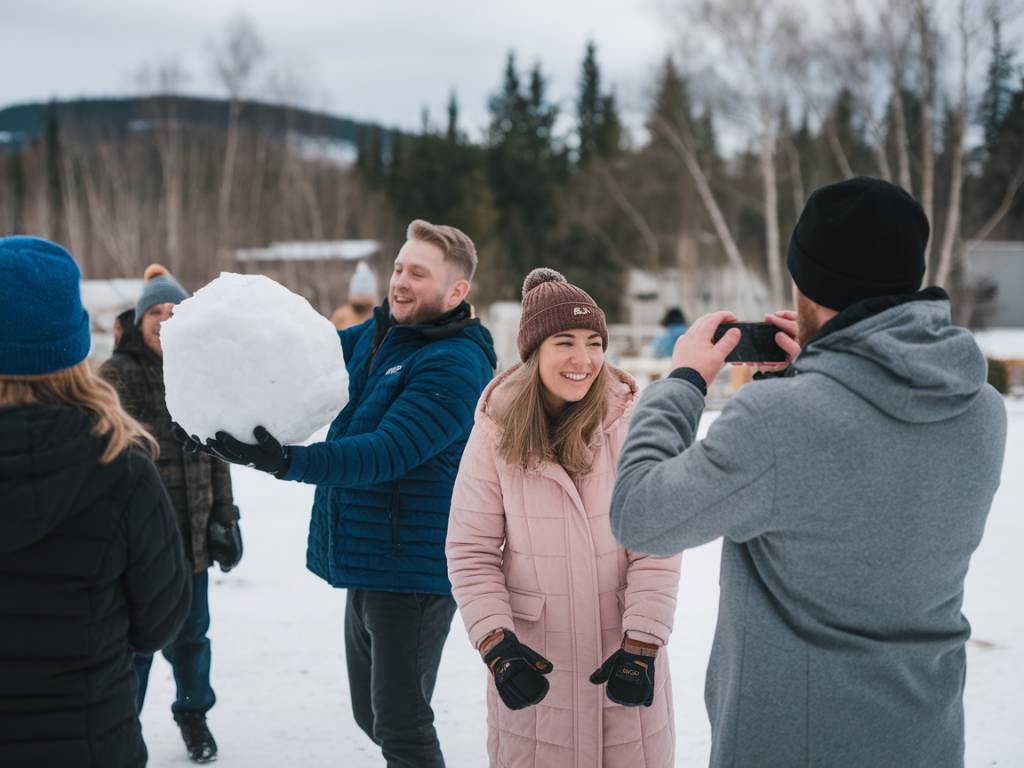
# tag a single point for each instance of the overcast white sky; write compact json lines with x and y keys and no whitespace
{"x":379,"y":60}
{"x":382,"y":60}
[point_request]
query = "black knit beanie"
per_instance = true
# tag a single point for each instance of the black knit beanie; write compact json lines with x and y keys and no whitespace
{"x":856,"y":240}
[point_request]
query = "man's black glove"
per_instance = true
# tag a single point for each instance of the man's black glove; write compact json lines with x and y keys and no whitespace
{"x":224,"y":537}
{"x":630,"y":678}
{"x":518,"y":672}
{"x":268,"y":455}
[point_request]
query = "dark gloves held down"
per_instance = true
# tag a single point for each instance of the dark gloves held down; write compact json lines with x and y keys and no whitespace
{"x":519,"y":672}
{"x":519,"y":675}
{"x":268,"y":455}
{"x":630,"y":678}
{"x":224,"y":537}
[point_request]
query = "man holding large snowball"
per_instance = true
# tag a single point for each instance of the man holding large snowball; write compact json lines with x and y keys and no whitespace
{"x":384,"y":479}
{"x":200,"y":490}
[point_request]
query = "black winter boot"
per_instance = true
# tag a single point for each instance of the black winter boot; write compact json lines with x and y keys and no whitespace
{"x":198,"y":739}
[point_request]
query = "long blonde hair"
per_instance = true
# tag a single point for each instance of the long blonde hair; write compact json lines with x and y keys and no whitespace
{"x":531,"y":435}
{"x":79,"y":386}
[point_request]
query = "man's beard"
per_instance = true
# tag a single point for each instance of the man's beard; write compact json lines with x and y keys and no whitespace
{"x":807,"y":321}
{"x":426,"y":312}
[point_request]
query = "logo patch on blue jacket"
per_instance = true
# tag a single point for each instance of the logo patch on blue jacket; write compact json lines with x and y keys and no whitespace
{"x":394,"y":369}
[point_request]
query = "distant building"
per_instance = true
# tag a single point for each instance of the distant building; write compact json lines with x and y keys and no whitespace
{"x":994,"y":278}
{"x":319,"y":270}
{"x":697,"y":292}
{"x":104,"y":300}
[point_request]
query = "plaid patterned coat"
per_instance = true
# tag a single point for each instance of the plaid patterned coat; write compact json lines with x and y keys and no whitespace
{"x":196,"y":484}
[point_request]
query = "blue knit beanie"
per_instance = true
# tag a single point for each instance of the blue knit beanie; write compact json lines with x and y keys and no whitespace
{"x":160,"y":288}
{"x":43,"y":325}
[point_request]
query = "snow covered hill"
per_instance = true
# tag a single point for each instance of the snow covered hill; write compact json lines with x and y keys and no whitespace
{"x":279,"y":670}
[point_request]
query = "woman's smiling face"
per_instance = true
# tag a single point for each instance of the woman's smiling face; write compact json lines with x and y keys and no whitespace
{"x":569,"y":362}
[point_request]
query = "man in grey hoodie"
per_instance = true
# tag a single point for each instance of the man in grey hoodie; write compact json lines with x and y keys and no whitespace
{"x":850,"y":492}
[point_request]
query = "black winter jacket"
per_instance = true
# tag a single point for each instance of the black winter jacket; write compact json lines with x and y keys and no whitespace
{"x":91,"y":570}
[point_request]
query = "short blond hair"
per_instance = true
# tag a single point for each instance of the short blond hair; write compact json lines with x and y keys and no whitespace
{"x":455,"y":244}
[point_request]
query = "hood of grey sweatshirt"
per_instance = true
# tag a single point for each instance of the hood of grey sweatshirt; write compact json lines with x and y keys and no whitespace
{"x":907,"y":361}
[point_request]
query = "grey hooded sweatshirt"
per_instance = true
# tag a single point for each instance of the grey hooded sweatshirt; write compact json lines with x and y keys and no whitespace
{"x":851,"y":495}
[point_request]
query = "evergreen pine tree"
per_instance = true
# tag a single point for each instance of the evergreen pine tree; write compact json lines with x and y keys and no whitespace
{"x":1004,"y":156}
{"x":609,"y":135}
{"x":370,"y":155}
{"x":995,"y":102}
{"x":19,"y":191}
{"x":452,"y":134}
{"x":362,"y":149}
{"x":706,"y":141}
{"x":850,"y":137}
{"x":669,"y":199}
{"x":54,"y":174}
{"x":375,"y":160}
{"x":671,"y":106}
{"x":589,"y":108}
{"x":524,"y":167}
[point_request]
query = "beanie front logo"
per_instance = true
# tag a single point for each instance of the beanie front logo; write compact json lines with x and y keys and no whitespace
{"x":580,"y":311}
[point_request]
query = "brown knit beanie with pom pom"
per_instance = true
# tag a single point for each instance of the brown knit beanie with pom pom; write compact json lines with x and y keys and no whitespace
{"x":160,"y":287}
{"x":552,"y":304}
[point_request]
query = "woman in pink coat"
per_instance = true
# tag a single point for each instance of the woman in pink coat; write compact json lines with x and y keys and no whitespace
{"x":570,"y":624}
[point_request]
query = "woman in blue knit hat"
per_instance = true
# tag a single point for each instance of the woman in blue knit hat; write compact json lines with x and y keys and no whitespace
{"x":91,"y":563}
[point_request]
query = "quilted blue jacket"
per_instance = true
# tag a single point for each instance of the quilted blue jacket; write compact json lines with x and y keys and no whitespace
{"x":384,"y":475}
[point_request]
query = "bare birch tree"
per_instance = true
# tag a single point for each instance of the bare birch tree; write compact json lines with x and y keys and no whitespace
{"x":164,"y":80}
{"x":762,"y":37}
{"x":235,"y":61}
{"x":972,"y":17}
{"x":955,"y":144}
{"x":896,"y":31}
{"x":855,"y":55}
{"x":924,"y":23}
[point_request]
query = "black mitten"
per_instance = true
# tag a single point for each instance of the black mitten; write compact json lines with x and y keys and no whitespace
{"x":518,"y":672}
{"x":630,"y":678}
{"x":224,"y":537}
{"x":268,"y":455}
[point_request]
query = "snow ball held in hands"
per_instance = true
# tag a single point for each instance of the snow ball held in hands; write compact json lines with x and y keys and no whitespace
{"x":245,"y":351}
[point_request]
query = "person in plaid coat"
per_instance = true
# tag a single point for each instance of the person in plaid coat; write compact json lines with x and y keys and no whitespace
{"x":200,"y":490}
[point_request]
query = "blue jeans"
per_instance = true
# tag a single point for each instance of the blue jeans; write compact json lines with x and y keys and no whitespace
{"x":189,"y":655}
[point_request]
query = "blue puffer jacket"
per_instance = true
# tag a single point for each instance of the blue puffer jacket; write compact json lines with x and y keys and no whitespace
{"x":384,"y":475}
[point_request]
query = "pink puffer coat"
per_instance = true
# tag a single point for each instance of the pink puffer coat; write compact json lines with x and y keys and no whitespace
{"x":530,"y":551}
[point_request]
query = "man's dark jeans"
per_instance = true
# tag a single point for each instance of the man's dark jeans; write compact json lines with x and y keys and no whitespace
{"x":393,"y":643}
{"x":189,"y":655}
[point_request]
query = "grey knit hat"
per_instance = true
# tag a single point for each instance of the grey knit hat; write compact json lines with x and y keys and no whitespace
{"x":552,"y":304}
{"x":160,"y":288}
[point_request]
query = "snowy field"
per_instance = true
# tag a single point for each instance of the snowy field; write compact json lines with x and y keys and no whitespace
{"x":279,"y":669}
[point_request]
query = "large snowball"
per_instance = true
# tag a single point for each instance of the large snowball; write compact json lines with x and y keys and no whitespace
{"x":245,"y":351}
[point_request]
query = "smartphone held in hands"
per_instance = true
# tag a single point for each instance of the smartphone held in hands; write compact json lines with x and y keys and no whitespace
{"x":757,"y":343}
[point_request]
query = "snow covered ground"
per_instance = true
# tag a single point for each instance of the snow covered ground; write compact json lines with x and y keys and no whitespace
{"x":279,"y":667}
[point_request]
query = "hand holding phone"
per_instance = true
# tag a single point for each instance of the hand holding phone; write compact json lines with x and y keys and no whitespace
{"x":695,"y":348}
{"x":757,"y":343}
